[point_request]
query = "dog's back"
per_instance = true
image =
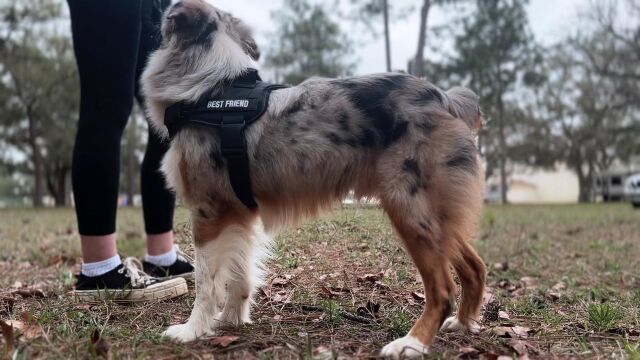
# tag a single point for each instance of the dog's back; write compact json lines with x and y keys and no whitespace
{"x":392,"y":136}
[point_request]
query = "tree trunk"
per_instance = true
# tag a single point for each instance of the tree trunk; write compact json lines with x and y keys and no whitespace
{"x":387,"y":39}
{"x":38,"y":165}
{"x":584,"y":186}
{"x":61,"y":188}
{"x":503,"y":166}
{"x":418,"y":63}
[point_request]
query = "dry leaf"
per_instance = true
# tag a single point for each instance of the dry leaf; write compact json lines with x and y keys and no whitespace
{"x":381,"y":285}
{"x":520,"y":346}
{"x":529,"y":282}
{"x":467,"y":352}
{"x":279,"y":281}
{"x":100,"y":345}
{"x":371,"y":277}
{"x":224,"y":341}
{"x":418,"y":296}
{"x":282,"y":296}
{"x":511,"y":331}
{"x":7,"y":334}
{"x":328,"y":293}
{"x":322,"y":352}
{"x":501,"y":266}
{"x":29,"y":292}
{"x":17,"y":285}
{"x":503,"y":315}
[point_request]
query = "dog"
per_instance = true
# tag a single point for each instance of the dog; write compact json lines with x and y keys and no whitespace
{"x":393,"y":136}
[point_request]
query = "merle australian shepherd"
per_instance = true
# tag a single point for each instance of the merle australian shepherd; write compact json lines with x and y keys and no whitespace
{"x":394,"y":137}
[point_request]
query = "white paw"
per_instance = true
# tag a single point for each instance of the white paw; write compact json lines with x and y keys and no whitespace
{"x":453,"y":324}
{"x":407,"y":347}
{"x":181,"y":333}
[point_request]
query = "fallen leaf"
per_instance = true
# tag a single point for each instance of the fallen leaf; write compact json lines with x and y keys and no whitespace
{"x":29,"y":293}
{"x":327,"y":293}
{"x":503,"y":315}
{"x":322,"y":352}
{"x":467,"y":352}
{"x":224,"y":341}
{"x":529,"y":282}
{"x":371,"y":277}
{"x":511,"y":331}
{"x":282,"y":296}
{"x":520,"y":346}
{"x":277,"y":317}
{"x":489,"y":356}
{"x":100,"y":346}
{"x":7,"y":334}
{"x":279,"y":281}
{"x":17,"y":285}
{"x":559,"y":286}
{"x":501,"y":266}
{"x":381,"y":285}
{"x":418,"y":296}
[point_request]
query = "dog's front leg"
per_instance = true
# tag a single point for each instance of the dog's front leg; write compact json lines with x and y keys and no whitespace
{"x":209,"y":290}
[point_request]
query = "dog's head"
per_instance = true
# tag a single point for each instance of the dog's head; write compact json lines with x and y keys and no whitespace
{"x":196,"y":23}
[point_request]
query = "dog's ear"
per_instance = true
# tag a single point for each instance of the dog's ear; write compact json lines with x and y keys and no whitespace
{"x":247,"y":41}
{"x":189,"y":20}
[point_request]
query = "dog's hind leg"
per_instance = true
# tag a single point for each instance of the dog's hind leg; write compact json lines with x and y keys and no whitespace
{"x":419,"y":229}
{"x":219,"y":243}
{"x":471,"y":272}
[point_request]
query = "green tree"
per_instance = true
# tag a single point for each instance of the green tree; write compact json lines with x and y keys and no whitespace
{"x":370,"y":12}
{"x":39,"y":102}
{"x":495,"y":56}
{"x":307,"y":43}
{"x":591,"y":100}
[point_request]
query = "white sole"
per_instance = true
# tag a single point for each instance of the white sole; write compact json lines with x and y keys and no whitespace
{"x":161,"y":291}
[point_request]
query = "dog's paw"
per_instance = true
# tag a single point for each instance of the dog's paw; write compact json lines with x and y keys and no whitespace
{"x":407,"y":347}
{"x":452,"y":324}
{"x":181,"y":333}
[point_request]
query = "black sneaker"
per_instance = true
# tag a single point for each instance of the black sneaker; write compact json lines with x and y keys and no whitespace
{"x":127,"y":283}
{"x":182,"y":268}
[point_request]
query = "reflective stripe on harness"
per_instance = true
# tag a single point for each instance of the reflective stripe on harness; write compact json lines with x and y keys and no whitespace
{"x":237,"y":106}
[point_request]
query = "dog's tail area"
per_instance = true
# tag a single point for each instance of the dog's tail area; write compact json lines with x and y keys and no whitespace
{"x":464,"y":104}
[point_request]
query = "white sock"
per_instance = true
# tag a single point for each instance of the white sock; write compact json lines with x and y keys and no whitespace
{"x":101,"y":267}
{"x":166,"y":259}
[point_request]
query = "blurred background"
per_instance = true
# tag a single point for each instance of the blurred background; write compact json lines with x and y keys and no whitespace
{"x":559,"y":82}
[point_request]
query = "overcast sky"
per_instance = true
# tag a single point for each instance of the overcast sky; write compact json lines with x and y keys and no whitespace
{"x":549,"y":19}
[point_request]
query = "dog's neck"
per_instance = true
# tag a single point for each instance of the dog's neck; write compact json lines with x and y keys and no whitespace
{"x":197,"y":73}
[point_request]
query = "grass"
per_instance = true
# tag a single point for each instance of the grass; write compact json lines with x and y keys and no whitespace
{"x":568,"y":274}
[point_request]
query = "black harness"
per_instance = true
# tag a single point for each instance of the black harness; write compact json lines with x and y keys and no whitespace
{"x":237,"y":106}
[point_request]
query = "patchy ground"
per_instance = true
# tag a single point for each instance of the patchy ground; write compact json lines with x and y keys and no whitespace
{"x":564,"y":282}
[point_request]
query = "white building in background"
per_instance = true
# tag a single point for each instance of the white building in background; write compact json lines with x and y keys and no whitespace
{"x":535,"y":186}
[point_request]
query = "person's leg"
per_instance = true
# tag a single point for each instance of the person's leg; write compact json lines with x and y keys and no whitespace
{"x":106,"y":36}
{"x":158,"y":201}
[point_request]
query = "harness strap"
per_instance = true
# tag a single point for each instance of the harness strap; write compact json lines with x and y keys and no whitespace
{"x":235,"y":109}
{"x":234,"y":150}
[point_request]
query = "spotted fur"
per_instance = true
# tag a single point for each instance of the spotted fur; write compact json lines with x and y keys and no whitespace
{"x":391,"y":136}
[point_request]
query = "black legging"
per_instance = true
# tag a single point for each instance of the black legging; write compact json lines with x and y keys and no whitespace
{"x":112,"y":40}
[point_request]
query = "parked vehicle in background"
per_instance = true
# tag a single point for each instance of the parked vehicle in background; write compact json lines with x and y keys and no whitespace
{"x":632,"y":190}
{"x":610,"y":187}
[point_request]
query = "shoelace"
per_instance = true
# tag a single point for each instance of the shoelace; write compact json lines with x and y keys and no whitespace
{"x":133,"y":269}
